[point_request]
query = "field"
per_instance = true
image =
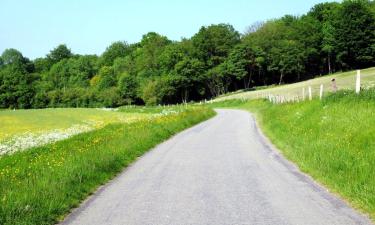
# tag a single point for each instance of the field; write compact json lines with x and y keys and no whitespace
{"x":22,"y":129}
{"x":344,"y":81}
{"x":332,"y":140}
{"x":41,"y":185}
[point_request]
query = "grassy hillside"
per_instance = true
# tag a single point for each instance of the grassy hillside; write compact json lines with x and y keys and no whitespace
{"x":332,"y":140}
{"x":41,"y":185}
{"x":344,"y":81}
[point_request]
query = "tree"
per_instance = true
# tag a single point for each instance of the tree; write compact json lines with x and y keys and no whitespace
{"x":106,"y":78}
{"x":81,"y":70}
{"x":187,"y":75}
{"x":218,"y":80}
{"x":174,"y":53}
{"x":11,"y":56}
{"x":42,"y":65}
{"x":147,"y":56}
{"x":326,"y":15}
{"x":242,"y":63}
{"x":287,"y":58}
{"x":58,"y":76}
{"x":16,"y":82}
{"x":114,"y":51}
{"x":59,"y":53}
{"x":128,"y":86}
{"x":355,"y":36}
{"x":213,"y":43}
{"x":328,"y":43}
{"x":157,"y":91}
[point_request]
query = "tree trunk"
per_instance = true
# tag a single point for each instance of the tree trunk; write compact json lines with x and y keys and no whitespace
{"x":281,"y":78}
{"x":185,"y":95}
{"x":245,"y":83}
{"x":249,"y":81}
{"x":259,"y":73}
{"x":329,"y":64}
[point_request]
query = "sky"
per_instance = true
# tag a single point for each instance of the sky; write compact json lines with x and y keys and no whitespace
{"x":34,"y":27}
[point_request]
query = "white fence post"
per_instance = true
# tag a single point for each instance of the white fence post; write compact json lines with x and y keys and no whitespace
{"x":303,"y":94}
{"x":310,"y":93}
{"x":321,"y":91}
{"x":358,"y":82}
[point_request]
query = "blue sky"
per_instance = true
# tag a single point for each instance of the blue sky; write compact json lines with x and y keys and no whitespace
{"x":88,"y":26}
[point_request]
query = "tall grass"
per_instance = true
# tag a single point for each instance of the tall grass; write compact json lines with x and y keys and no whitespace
{"x":332,"y":140}
{"x":41,"y":185}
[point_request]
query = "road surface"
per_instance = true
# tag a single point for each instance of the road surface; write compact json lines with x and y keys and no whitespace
{"x":221,"y":171}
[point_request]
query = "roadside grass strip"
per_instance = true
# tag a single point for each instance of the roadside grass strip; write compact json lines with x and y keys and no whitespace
{"x":41,"y":185}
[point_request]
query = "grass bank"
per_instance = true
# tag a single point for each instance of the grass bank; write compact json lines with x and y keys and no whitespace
{"x":41,"y":185}
{"x":344,"y":81}
{"x":332,"y":140}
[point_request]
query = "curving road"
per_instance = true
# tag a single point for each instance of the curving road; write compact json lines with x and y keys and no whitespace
{"x":221,"y":171}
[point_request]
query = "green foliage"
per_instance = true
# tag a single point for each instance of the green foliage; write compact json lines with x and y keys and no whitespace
{"x":147,"y":56}
{"x":128,"y":86}
{"x":287,"y":58}
{"x":218,"y":80}
{"x":243,"y":62}
{"x":331,"y":37}
{"x":107,"y":78}
{"x":155,"y":92}
{"x":16,"y":81}
{"x":59,"y":53}
{"x":115,"y":50}
{"x":213,"y":43}
{"x":355,"y":36}
{"x":12,"y":56}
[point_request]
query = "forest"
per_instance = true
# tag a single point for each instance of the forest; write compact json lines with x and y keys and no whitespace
{"x":218,"y":59}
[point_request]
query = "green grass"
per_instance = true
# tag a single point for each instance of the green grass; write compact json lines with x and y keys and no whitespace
{"x":332,"y":140}
{"x":41,"y":185}
{"x":37,"y":121}
{"x":152,"y":109}
{"x":344,"y":81}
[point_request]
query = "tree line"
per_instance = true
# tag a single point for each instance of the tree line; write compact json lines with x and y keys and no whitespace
{"x":218,"y":59}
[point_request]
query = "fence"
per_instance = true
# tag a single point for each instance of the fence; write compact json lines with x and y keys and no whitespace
{"x":280,"y":99}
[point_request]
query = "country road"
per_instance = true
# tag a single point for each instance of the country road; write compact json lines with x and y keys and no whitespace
{"x":221,"y":171}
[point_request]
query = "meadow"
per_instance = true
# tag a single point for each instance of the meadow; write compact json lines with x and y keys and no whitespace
{"x":331,"y":140}
{"x":43,"y":120}
{"x":344,"y":81}
{"x":22,"y":129}
{"x":41,"y":185}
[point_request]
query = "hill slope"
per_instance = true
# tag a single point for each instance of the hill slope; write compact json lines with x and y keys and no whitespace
{"x":343,"y":80}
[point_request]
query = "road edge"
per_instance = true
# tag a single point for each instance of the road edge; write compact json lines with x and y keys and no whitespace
{"x":331,"y":196}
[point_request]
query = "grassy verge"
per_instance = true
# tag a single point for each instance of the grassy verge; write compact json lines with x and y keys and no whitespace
{"x":152,"y":109}
{"x":41,"y":185}
{"x":332,"y":140}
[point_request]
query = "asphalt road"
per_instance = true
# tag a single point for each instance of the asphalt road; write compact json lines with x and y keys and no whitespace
{"x":219,"y":172}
